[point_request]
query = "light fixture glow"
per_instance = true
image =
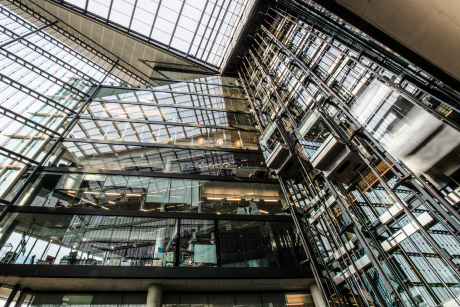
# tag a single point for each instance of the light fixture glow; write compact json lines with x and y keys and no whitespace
{"x":270,"y":200}
{"x":213,"y":198}
{"x":201,"y":141}
{"x":220,"y":142}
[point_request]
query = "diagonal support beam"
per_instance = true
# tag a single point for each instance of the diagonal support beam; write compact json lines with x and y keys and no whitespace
{"x":35,"y":94}
{"x":41,"y":72}
{"x":26,"y":121}
{"x":70,"y":37}
{"x":25,"y":35}
{"x":47,"y":54}
{"x":17,"y":157}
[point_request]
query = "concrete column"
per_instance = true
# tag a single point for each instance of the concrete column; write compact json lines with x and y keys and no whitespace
{"x":154,"y":295}
{"x":317,"y":296}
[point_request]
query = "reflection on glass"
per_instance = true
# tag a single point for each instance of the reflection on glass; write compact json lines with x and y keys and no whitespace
{"x":110,"y":192}
{"x":165,"y":160}
{"x":60,"y":239}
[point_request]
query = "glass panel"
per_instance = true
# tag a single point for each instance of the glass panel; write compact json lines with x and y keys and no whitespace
{"x":197,"y":246}
{"x":258,"y":244}
{"x":62,"y":239}
{"x":75,"y":190}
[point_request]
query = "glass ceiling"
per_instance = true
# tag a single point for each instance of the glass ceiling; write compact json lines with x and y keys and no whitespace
{"x":200,"y":28}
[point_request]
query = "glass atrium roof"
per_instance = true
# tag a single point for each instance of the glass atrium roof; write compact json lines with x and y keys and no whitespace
{"x":202,"y":29}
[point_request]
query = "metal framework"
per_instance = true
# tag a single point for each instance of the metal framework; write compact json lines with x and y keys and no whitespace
{"x":47,"y":54}
{"x":15,"y":156}
{"x":27,"y":121}
{"x":25,"y":89}
{"x":156,"y":145}
{"x":165,"y":48}
{"x":140,"y":121}
{"x":163,"y":105}
{"x":37,"y":17}
{"x":298,"y":73}
{"x":194,"y":82}
{"x":137,"y":89}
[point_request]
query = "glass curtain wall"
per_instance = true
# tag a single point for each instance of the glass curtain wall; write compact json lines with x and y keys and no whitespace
{"x":378,"y":159}
{"x":62,"y":239}
{"x":154,"y":194}
{"x":44,"y":80}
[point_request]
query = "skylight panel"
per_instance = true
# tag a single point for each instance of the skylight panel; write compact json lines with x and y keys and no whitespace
{"x":202,"y":29}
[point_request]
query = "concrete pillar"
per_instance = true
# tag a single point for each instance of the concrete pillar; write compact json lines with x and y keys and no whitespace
{"x":154,"y":295}
{"x":317,"y":296}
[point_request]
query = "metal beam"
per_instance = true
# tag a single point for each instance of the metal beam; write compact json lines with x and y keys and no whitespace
{"x":163,"y":47}
{"x":218,"y":29}
{"x":25,"y":35}
{"x":13,"y":293}
{"x":364,"y":26}
{"x":180,"y":70}
{"x":150,"y":214}
{"x":47,"y":37}
{"x":154,"y":174}
{"x":328,"y":92}
{"x":194,"y":82}
{"x":275,"y":88}
{"x":35,"y":94}
{"x":41,"y":72}
{"x":137,"y":89}
{"x":158,"y":145}
{"x":47,"y":54}
{"x":18,"y":157}
{"x":199,"y":24}
{"x":53,"y":147}
{"x":76,"y":40}
{"x":175,"y":106}
{"x":26,"y":121}
{"x":177,"y":22}
{"x":141,"y":121}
